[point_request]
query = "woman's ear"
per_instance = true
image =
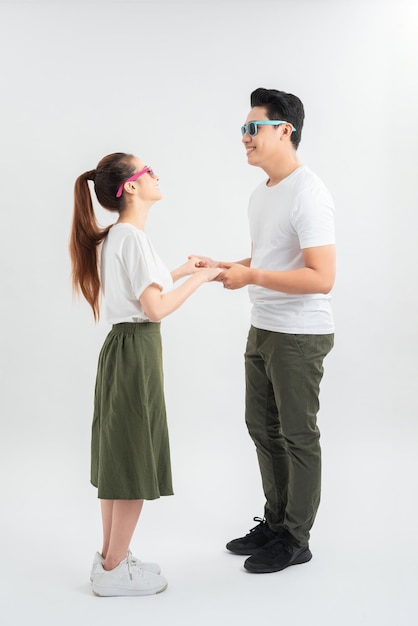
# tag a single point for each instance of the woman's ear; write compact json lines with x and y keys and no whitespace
{"x":130,"y":187}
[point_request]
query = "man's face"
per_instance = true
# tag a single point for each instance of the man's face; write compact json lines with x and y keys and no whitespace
{"x":267,"y":144}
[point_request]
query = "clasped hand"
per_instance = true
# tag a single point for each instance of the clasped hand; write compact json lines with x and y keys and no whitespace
{"x":232,"y":275}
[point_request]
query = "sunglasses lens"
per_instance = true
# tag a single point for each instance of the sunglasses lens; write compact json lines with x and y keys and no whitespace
{"x":250,"y":128}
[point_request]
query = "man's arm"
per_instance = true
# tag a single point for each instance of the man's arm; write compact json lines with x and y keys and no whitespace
{"x":244,"y":262}
{"x":317,"y":276}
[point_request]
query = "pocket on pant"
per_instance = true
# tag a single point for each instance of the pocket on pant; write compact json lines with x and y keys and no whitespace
{"x":311,"y":345}
{"x":300,"y":342}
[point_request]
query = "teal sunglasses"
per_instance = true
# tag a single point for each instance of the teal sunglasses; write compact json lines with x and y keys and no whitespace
{"x":252,"y":127}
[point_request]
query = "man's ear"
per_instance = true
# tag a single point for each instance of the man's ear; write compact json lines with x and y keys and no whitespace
{"x":287,"y":130}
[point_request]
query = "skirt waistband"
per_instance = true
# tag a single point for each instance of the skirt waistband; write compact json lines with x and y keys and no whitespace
{"x":136,"y":327}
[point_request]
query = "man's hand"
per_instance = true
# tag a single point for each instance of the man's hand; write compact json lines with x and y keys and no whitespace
{"x":234,"y":275}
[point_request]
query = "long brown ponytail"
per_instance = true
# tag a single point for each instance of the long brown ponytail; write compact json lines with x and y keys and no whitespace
{"x":86,"y":234}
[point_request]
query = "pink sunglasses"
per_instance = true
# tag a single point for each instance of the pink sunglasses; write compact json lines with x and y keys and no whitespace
{"x":134,"y":177}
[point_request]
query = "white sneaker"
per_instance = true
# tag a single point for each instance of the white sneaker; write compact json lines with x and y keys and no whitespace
{"x":127,"y":579}
{"x":154,"y":568}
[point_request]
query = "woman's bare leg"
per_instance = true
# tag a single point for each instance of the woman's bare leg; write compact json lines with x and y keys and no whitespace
{"x":107,"y":514}
{"x":119,"y":519}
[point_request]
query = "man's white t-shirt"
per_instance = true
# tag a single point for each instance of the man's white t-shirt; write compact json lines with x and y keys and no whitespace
{"x":296,"y":213}
{"x":129,"y":264}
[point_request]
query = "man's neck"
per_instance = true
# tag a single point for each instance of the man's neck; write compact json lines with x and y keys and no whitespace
{"x":279,"y":171}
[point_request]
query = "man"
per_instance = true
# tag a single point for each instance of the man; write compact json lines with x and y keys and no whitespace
{"x":290,"y":274}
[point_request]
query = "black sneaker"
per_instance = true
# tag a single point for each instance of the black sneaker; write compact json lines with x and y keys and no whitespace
{"x":254,"y":540}
{"x":277,"y":555}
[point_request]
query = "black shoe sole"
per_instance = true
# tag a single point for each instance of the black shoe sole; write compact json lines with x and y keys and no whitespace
{"x":243,"y":551}
{"x":259,"y":568}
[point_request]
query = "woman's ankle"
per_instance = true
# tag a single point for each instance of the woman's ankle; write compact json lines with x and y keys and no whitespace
{"x":111,"y":562}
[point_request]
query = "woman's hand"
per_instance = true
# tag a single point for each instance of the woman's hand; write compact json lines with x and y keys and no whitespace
{"x":204,"y":261}
{"x":192,"y":266}
{"x":211,"y":273}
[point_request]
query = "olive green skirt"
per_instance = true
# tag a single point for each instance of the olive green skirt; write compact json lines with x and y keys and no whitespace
{"x":130,"y":453}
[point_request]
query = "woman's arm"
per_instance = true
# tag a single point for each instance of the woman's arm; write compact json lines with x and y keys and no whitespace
{"x":157,"y":305}
{"x":205,"y":261}
{"x":190,"y":267}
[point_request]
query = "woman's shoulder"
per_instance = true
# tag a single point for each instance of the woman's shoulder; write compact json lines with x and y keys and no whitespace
{"x":124,"y":238}
{"x":124,"y":231}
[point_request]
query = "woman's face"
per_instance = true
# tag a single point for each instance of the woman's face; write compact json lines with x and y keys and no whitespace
{"x":147,"y":184}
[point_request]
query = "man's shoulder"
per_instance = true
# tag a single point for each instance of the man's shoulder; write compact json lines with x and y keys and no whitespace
{"x":308,"y":176}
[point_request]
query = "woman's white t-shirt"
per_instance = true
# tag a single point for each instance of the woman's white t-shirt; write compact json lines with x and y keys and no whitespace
{"x":296,"y":213}
{"x":129,"y":264}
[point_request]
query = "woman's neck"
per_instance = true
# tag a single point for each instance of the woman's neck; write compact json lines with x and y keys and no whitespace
{"x":135,"y":215}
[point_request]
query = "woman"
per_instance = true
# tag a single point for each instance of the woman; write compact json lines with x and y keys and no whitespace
{"x":130,"y":460}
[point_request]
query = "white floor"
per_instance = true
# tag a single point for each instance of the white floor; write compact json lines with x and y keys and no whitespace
{"x":363,"y":571}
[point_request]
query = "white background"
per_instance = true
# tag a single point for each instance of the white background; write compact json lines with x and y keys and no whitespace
{"x":170,"y":82}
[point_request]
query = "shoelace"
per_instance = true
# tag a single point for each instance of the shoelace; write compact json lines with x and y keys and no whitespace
{"x":135,"y":560}
{"x":260,"y":522}
{"x":279,"y":545}
{"x":134,"y":567}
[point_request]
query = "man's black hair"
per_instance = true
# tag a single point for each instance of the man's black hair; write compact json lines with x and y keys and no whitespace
{"x":280,"y":105}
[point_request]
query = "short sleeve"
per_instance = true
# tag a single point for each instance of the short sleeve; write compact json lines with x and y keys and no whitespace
{"x":314,"y":217}
{"x":142,"y":266}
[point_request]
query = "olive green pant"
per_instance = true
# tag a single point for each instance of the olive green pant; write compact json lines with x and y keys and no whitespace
{"x":283,"y":374}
